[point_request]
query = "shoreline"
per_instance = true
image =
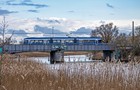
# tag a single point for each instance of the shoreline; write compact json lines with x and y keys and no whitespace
{"x":45,"y":54}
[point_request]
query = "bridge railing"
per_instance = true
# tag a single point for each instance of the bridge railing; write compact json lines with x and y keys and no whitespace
{"x":46,"y":48}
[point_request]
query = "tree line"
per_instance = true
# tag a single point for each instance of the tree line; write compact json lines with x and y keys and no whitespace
{"x":110,"y":34}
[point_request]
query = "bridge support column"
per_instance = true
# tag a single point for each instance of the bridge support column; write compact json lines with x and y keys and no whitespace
{"x":108,"y":55}
{"x":56,"y":56}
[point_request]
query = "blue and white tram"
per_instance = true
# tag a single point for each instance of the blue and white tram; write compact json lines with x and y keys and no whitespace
{"x":61,"y":40}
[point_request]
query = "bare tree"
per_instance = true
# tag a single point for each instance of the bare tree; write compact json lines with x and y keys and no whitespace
{"x":3,"y":27}
{"x":94,"y":33}
{"x":123,"y":42}
{"x":136,"y":44}
{"x":137,"y":31}
{"x":3,"y":41}
{"x":108,"y":32}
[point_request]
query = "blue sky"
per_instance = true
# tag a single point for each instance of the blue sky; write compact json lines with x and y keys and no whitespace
{"x":73,"y":9}
{"x":69,"y":15}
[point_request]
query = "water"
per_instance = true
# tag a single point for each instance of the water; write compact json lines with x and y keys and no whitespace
{"x":87,"y":67}
{"x":67,"y":59}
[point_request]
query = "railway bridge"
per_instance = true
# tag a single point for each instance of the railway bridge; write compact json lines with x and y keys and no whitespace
{"x":57,"y":50}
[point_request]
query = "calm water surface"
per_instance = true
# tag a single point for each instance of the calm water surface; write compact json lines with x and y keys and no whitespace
{"x":67,"y":59}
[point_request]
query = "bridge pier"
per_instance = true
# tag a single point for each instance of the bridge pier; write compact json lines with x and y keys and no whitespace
{"x":108,"y":55}
{"x":56,"y":56}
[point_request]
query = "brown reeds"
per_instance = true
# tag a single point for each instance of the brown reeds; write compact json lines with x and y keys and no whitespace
{"x":30,"y":75}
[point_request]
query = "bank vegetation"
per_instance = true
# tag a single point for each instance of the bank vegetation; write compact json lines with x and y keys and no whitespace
{"x":30,"y":75}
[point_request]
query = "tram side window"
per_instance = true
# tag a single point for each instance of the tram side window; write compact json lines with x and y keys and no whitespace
{"x":87,"y":41}
{"x":46,"y":42}
{"x":36,"y":41}
{"x":69,"y":41}
{"x":26,"y":42}
{"x":84,"y":41}
{"x":91,"y":41}
{"x":62,"y":41}
{"x":56,"y":41}
{"x":31,"y":41}
{"x":40,"y":41}
{"x":80,"y":41}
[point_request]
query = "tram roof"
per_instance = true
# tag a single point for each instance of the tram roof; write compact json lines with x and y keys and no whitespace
{"x":97,"y":38}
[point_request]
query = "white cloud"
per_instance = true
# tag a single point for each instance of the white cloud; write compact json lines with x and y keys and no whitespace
{"x":65,"y":25}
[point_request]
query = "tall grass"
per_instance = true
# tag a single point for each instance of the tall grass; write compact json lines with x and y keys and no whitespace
{"x":31,"y":75}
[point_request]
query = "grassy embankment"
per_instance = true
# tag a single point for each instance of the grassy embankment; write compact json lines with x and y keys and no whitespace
{"x":30,"y":75}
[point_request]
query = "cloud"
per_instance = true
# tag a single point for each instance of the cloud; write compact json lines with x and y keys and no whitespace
{"x":109,"y":5}
{"x":27,"y":1}
{"x":49,"y":21}
{"x":47,"y":30}
{"x":82,"y":30}
{"x":66,"y":25}
{"x":62,"y":24}
{"x":28,"y":4}
{"x":17,"y":32}
{"x":53,"y":21}
{"x":34,"y":11}
{"x":9,"y":1}
{"x":71,"y":11}
{"x":6,"y":12}
{"x":102,"y":22}
{"x":112,"y":14}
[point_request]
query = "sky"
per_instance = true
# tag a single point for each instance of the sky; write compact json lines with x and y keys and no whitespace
{"x":69,"y":15}
{"x":72,"y":9}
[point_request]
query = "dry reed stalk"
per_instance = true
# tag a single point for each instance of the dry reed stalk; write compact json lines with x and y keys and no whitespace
{"x":30,"y":75}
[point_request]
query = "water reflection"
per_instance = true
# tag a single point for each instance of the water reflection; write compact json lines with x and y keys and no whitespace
{"x":67,"y":59}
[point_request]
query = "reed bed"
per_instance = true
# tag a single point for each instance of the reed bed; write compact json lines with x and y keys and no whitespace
{"x":31,"y":75}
